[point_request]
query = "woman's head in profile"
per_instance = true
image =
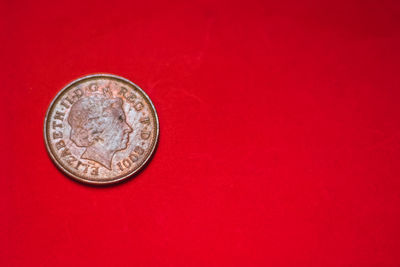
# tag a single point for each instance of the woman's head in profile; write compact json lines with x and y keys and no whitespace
{"x":99,"y":124}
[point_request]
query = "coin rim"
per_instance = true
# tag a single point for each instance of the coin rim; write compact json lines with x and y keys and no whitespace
{"x":87,"y":181}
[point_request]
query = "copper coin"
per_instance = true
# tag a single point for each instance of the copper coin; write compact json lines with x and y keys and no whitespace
{"x":101,"y":129}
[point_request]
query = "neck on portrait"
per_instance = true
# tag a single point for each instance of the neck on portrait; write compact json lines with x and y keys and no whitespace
{"x":97,"y":152}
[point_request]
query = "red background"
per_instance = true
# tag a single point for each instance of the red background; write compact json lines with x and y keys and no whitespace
{"x":279,"y":134}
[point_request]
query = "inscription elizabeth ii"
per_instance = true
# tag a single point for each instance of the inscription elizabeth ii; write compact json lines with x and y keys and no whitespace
{"x":101,"y":129}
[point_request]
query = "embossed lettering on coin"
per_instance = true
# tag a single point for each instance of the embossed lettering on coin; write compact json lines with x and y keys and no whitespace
{"x":101,"y":129}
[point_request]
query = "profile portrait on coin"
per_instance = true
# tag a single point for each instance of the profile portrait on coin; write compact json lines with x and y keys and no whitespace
{"x":99,"y":124}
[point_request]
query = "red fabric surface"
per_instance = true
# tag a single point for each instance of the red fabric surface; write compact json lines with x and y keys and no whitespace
{"x":279,"y":142}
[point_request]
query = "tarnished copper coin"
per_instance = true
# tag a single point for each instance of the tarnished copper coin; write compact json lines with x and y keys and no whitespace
{"x":101,"y":129}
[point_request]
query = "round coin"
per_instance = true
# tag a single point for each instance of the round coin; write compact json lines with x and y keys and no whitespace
{"x":101,"y":129}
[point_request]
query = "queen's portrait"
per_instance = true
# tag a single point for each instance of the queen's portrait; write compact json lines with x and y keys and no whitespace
{"x":99,"y":124}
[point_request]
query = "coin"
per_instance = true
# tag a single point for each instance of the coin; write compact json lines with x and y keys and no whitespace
{"x":101,"y":129}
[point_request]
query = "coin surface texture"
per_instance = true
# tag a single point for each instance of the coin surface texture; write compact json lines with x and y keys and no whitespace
{"x":101,"y":129}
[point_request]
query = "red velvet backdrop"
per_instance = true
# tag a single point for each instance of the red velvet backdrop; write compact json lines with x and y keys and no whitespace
{"x":279,"y":142}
